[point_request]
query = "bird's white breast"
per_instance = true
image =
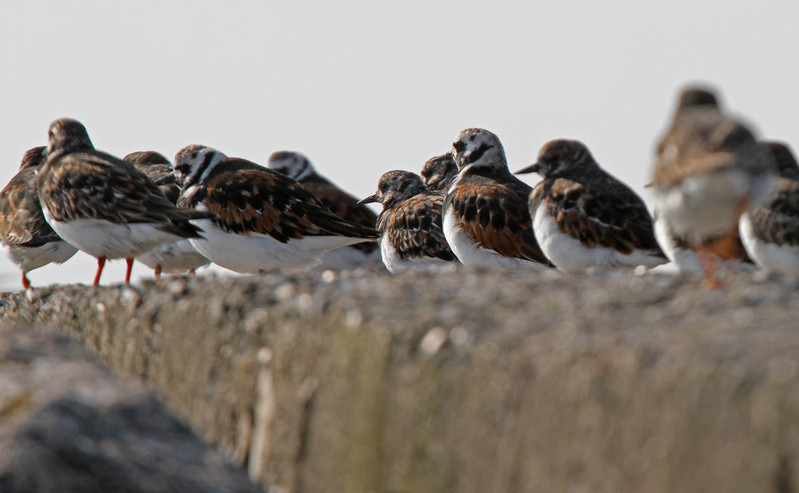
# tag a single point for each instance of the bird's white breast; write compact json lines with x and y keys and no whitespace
{"x":570,"y":254}
{"x":470,"y":253}
{"x":395,"y":264}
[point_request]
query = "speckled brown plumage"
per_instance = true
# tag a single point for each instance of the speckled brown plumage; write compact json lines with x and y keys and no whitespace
{"x":158,"y":169}
{"x":246,"y":198}
{"x":495,"y":215}
{"x":588,"y":204}
{"x":411,"y":217}
{"x":487,"y":204}
{"x":96,"y":185}
{"x":439,"y":171}
{"x":79,"y":182}
{"x":702,"y":139}
{"x":777,"y":221}
{"x":21,"y":220}
{"x":299,"y":167}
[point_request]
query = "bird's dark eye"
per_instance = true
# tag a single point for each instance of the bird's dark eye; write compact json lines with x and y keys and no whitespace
{"x":459,"y":146}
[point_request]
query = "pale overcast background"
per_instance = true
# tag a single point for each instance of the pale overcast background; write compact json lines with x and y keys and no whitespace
{"x":363,"y":87}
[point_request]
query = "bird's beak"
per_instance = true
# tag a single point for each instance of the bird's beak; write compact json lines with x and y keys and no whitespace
{"x":369,"y":200}
{"x":533,"y":168}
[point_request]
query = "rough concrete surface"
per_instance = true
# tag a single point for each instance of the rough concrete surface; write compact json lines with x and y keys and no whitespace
{"x":464,"y":381}
{"x":67,"y":424}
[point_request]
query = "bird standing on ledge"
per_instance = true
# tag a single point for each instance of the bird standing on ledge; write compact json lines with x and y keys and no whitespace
{"x":709,"y":170}
{"x":102,"y":204}
{"x":486,"y":219}
{"x":584,"y":217}
{"x":26,"y":237}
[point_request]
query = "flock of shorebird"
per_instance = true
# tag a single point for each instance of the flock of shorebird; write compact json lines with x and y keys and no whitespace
{"x":720,"y":196}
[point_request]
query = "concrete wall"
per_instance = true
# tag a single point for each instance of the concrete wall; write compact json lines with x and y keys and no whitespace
{"x":464,"y":382}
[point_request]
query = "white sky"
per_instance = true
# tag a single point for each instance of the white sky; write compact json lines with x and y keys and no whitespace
{"x":363,"y":87}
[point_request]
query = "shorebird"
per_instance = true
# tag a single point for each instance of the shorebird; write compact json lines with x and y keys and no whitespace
{"x":102,"y":204}
{"x":709,"y":170}
{"x":411,"y":235}
{"x":260,"y":220}
{"x":585,"y":217}
{"x":439,"y":171}
{"x":297,"y":166}
{"x":770,"y":231}
{"x":176,"y":257}
{"x":486,"y":219}
{"x":25,"y":236}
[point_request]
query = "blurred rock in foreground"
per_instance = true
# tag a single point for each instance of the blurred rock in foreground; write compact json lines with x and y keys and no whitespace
{"x":464,"y":382}
{"x":68,"y":425}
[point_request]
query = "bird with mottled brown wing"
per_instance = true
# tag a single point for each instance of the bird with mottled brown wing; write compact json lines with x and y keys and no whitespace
{"x":486,"y":220}
{"x":708,"y":170}
{"x":28,"y":240}
{"x":584,"y":217}
{"x":177,"y":257}
{"x":770,"y":231}
{"x":297,"y":166}
{"x":416,"y":228}
{"x":410,"y":223}
{"x":260,"y":218}
{"x":102,"y":204}
{"x":495,"y":218}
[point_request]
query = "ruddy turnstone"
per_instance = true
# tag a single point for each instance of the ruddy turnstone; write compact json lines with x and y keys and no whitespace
{"x":176,"y":257}
{"x":686,"y":258}
{"x":260,"y":219}
{"x":103,"y":205}
{"x":709,"y":169}
{"x":411,"y":235}
{"x":26,"y":237}
{"x":585,"y":217}
{"x":770,"y":231}
{"x":486,"y":219}
{"x":297,"y":166}
{"x":439,"y":171}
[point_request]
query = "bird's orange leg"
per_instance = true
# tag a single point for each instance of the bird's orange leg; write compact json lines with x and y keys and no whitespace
{"x":727,"y":247}
{"x":710,"y":265}
{"x":130,"y":269}
{"x":158,"y":272}
{"x":25,"y":282}
{"x":100,"y":265}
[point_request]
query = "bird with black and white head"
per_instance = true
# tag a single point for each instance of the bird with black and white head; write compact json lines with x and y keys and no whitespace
{"x":486,"y":219}
{"x":260,"y":220}
{"x":297,"y":166}
{"x":177,"y":257}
